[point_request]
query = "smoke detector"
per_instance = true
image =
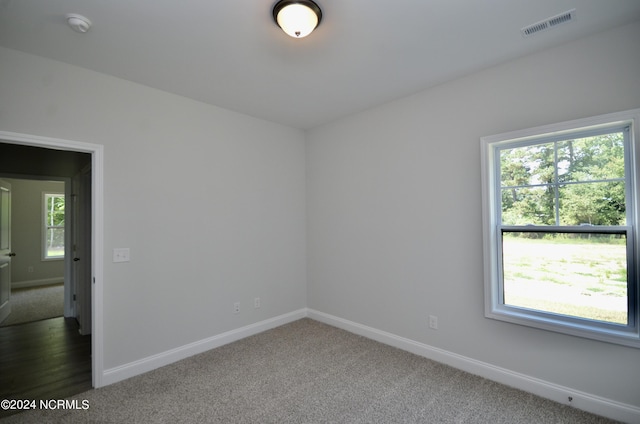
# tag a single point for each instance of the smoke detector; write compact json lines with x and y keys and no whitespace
{"x":78,"y":22}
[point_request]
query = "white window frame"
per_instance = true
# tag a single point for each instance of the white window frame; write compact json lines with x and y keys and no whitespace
{"x":495,"y":308}
{"x":46,"y":226}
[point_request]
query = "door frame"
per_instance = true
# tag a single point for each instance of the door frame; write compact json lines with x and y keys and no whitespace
{"x":97,"y":233}
{"x":5,"y":253}
{"x":80,"y":241}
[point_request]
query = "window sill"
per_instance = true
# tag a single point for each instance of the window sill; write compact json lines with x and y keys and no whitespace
{"x":625,"y":336}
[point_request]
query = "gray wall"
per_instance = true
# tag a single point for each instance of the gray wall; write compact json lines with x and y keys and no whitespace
{"x":210,"y":202}
{"x":26,"y":231}
{"x":394,"y":209}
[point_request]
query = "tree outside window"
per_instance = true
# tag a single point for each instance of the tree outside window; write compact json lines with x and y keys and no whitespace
{"x":54,"y":216}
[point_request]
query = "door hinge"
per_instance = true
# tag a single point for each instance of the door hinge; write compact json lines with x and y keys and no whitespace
{"x":74,"y":297}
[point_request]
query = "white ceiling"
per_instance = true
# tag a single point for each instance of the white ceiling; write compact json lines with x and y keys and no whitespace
{"x":231,"y":54}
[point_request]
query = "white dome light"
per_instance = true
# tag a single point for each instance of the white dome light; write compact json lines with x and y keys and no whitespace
{"x":297,"y":18}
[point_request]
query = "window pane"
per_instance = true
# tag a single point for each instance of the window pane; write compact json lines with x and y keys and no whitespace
{"x":529,"y":165}
{"x":531,"y":205}
{"x":55,"y":242}
{"x":593,"y":203}
{"x":54,"y":225}
{"x":580,"y":275}
{"x":591,"y":158}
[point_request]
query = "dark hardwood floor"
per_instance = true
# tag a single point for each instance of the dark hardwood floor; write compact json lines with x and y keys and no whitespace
{"x":43,"y":360}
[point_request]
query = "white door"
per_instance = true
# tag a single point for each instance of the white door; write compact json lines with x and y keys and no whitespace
{"x":5,"y":250}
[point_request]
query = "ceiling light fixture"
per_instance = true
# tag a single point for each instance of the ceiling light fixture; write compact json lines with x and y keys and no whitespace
{"x":78,"y":22}
{"x":297,"y":18}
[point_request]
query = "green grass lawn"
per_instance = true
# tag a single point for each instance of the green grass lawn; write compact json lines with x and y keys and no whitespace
{"x":576,"y":277}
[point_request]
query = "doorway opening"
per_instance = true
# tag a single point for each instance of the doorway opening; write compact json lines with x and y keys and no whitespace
{"x":80,"y":166}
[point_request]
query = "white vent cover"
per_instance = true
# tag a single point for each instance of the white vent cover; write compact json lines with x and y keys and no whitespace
{"x":549,"y":23}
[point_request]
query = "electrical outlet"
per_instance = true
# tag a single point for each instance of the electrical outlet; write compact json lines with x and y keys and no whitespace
{"x":236,"y":308}
{"x":433,"y":322}
{"x":256,"y":302}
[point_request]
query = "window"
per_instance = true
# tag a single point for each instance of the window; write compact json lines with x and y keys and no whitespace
{"x":53,"y":213}
{"x":560,"y":227}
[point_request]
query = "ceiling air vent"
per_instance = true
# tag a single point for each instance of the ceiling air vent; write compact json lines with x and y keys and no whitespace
{"x":549,"y":23}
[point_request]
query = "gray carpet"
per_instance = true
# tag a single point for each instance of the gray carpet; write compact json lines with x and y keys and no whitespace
{"x":308,"y":372}
{"x":35,"y":304}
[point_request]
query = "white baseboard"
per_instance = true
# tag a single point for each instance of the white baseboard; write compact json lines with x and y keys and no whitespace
{"x":37,"y":283}
{"x":143,"y":365}
{"x":580,"y":400}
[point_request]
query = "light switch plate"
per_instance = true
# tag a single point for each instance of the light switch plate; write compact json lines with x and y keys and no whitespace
{"x":121,"y":254}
